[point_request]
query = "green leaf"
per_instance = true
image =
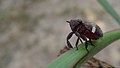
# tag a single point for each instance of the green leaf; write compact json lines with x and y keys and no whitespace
{"x":101,"y":43}
{"x":75,"y":58}
{"x":110,"y":10}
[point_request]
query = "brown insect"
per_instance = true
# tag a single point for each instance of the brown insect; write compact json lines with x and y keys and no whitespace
{"x":85,"y":31}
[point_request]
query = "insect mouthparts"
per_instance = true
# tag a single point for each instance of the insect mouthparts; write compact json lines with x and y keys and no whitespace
{"x":68,"y":21}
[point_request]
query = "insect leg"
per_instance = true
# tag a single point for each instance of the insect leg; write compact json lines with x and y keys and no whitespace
{"x":77,"y":43}
{"x":68,"y":37}
{"x":91,"y":42}
{"x":86,"y":42}
{"x":78,"y":35}
{"x":86,"y":46}
{"x":81,"y":40}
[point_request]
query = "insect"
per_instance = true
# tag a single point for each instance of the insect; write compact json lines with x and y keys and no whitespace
{"x":85,"y":31}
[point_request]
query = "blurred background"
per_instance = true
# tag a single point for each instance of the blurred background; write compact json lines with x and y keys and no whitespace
{"x":32,"y":32}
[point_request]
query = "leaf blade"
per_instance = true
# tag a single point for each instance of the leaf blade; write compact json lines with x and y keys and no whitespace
{"x":71,"y":58}
{"x":110,"y":10}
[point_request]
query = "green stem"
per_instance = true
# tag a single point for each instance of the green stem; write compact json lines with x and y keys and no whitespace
{"x":71,"y":58}
{"x":101,"y":44}
{"x":110,"y":10}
